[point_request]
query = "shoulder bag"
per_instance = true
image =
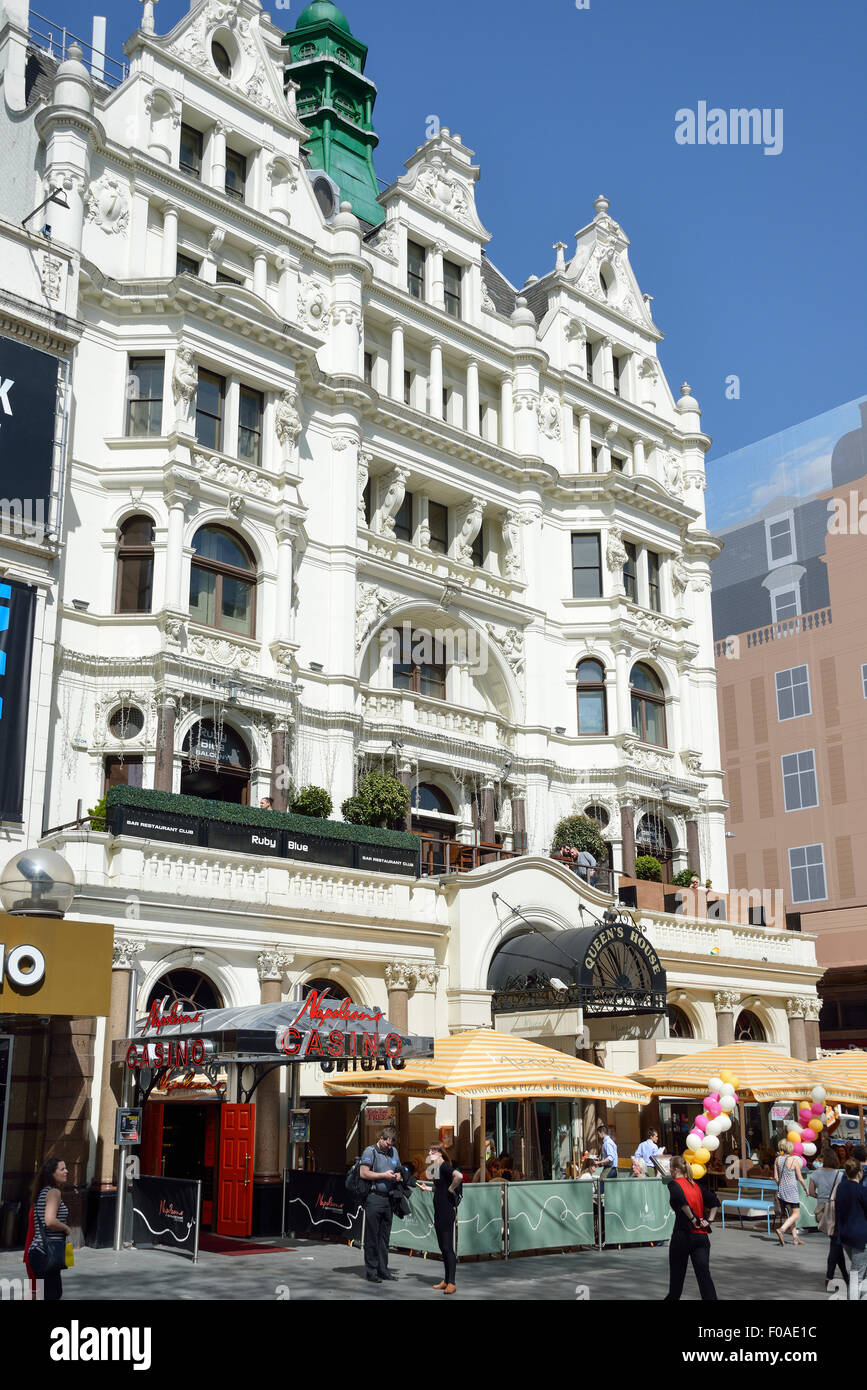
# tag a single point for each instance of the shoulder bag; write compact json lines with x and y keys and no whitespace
{"x":826,"y":1212}
{"x":50,"y":1255}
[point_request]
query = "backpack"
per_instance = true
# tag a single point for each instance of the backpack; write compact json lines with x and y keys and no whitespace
{"x":355,"y":1184}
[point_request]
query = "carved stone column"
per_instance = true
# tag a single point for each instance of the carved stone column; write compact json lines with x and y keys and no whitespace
{"x":164,"y":767}
{"x":170,"y":240}
{"x":473,"y":425}
{"x":648,"y":1054}
{"x":725,"y":1003}
{"x":519,"y":820}
{"x":627,"y":834}
{"x":399,"y":980}
{"x":269,"y":1152}
{"x":488,"y":813}
{"x":280,"y":764}
{"x":122,"y":968}
{"x":812,"y":1006}
{"x":396,"y":377}
{"x":797,"y":1031}
{"x":404,"y":775}
{"x":692,"y":847}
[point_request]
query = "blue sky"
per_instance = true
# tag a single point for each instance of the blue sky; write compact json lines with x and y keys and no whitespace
{"x":755,"y":261}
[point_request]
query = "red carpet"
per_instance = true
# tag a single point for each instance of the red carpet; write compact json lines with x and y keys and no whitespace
{"x":232,"y":1245}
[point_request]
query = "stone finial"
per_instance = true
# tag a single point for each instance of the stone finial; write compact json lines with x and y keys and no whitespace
{"x":601,"y":205}
{"x":560,"y":248}
{"x":686,"y":389}
{"x":147,"y":19}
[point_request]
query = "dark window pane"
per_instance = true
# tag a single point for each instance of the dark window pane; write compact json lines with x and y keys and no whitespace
{"x":630,"y":572}
{"x":250,"y":429}
{"x":403,"y":520}
{"x":186,"y":265}
{"x":191,"y":151}
{"x":415,"y":270}
{"x":221,"y":59}
{"x":236,"y":609}
{"x":209,"y":410}
{"x":591,"y":712}
{"x":653,"y":580}
{"x":438,"y":520}
{"x":135,"y":584}
{"x":586,"y":566}
{"x":452,"y":288}
{"x":642,"y":678}
{"x":203,"y":596}
{"x":590,"y":673}
{"x":236,"y":175}
{"x":212,"y":543}
{"x":145,"y":396}
{"x":139,"y":530}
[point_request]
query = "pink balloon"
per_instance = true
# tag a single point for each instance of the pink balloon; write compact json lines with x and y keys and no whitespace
{"x":805,"y":1115}
{"x":735,"y":1097}
{"x":805,"y":1136}
{"x":803,"y":1162}
{"x":817,"y":1109}
{"x":712,"y":1107}
{"x":798,"y":1149}
{"x":701,"y":1122}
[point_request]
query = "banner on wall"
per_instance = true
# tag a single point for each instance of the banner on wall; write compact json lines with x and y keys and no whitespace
{"x":17,"y":613}
{"x":165,"y":1212}
{"x":28,"y":423}
{"x":318,"y":1205}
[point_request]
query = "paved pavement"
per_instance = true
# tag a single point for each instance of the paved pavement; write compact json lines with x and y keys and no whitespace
{"x":745,"y":1265}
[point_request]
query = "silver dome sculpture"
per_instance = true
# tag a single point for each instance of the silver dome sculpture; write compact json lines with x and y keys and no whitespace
{"x":37,"y":883}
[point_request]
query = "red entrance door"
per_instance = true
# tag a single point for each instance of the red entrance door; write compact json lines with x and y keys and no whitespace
{"x":151,"y":1148}
{"x":235,"y":1173}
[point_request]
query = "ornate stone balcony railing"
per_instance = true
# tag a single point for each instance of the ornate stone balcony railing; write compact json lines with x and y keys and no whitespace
{"x":773,"y":632}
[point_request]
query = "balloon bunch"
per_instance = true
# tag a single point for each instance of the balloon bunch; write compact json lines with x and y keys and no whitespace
{"x":703,"y":1138}
{"x":811,"y":1121}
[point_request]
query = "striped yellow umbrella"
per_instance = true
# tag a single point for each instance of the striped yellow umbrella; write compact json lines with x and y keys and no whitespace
{"x":762,"y":1075}
{"x":850,"y":1067}
{"x":486,"y":1065}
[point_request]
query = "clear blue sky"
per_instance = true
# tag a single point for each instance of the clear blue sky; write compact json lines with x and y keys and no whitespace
{"x":756,"y":262}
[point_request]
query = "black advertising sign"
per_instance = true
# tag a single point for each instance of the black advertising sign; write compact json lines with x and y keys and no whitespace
{"x":385,"y":859}
{"x":28,"y":406}
{"x":318,"y":1205}
{"x":244,"y":839}
{"x":165,"y":1212}
{"x":318,"y":849}
{"x":17,"y":611}
{"x":155,"y":825}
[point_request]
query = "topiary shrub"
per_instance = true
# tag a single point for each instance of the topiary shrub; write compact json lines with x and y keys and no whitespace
{"x":580,"y":832}
{"x":684,"y":878}
{"x":312,"y":801}
{"x":381,"y":801}
{"x":97,"y":815}
{"x":648,"y":867}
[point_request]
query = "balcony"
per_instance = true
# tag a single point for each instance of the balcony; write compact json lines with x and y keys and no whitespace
{"x":733,"y":647}
{"x":386,"y":710}
{"x":453,"y":857}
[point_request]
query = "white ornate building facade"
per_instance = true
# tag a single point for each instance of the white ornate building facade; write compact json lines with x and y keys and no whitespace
{"x":293,"y":431}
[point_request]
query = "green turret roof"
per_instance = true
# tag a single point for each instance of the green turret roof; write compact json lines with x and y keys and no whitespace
{"x":335,"y":101}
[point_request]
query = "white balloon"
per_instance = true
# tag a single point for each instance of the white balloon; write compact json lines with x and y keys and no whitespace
{"x":711,"y":1143}
{"x":715,"y":1084}
{"x":724,"y":1123}
{"x":727,"y":1089}
{"x":809,"y":1150}
{"x":818,"y":1093}
{"x":716,"y":1126}
{"x":728,"y":1103}
{"x":693,"y":1142}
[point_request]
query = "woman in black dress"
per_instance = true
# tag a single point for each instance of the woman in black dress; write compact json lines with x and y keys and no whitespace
{"x":446,"y":1184}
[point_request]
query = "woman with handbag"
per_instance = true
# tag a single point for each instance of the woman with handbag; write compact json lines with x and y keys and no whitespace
{"x":787,"y":1171}
{"x":45,"y":1256}
{"x":823,"y":1185}
{"x":446,"y":1190}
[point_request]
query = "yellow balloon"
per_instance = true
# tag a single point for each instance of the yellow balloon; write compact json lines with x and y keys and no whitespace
{"x":794,"y":1136}
{"x":816,"y":1125}
{"x":701,"y":1155}
{"x":698,"y":1171}
{"x":725,"y":1076}
{"x":736,"y":1083}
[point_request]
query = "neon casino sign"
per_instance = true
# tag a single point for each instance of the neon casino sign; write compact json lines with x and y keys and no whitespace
{"x":327,"y":1041}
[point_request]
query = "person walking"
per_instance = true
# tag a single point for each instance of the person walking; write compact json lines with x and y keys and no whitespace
{"x":823,"y":1186}
{"x":446,"y":1186}
{"x":690,"y":1239}
{"x":649,"y":1147}
{"x":49,"y":1216}
{"x":380,"y":1166}
{"x":851,"y":1203}
{"x":787,"y":1171}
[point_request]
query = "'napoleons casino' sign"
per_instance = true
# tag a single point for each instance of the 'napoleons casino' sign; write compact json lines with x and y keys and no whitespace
{"x":329,"y":1040}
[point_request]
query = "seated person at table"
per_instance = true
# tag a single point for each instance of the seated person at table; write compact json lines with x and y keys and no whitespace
{"x":589,"y":1167}
{"x":639,"y":1168}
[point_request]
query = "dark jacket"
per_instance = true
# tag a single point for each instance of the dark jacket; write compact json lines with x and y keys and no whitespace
{"x":851,"y":1204}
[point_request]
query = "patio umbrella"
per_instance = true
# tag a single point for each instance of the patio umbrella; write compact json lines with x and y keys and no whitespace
{"x":850,"y":1067}
{"x":762,"y":1076}
{"x":485,"y":1065}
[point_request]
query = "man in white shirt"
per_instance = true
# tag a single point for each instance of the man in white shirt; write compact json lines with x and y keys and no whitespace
{"x":649,"y":1147}
{"x":609,"y":1151}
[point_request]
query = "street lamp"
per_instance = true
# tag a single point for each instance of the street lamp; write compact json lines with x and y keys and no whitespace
{"x":37,"y":883}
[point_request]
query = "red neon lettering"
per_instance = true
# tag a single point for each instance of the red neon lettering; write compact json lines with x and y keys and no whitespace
{"x":347,"y":1013}
{"x":159,"y":1054}
{"x":181,"y":1053}
{"x":156,"y":1019}
{"x":294,"y":1038}
{"x":314,"y":1045}
{"x":132,"y":1057}
{"x":197,"y":1052}
{"x":335,"y":1043}
{"x":392,"y":1045}
{"x":369,"y":1044}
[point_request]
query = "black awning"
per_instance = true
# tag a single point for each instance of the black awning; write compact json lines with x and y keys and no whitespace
{"x":607,"y":969}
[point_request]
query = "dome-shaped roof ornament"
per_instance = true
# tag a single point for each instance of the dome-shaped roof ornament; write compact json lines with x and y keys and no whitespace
{"x":322,"y":12}
{"x":601,"y":205}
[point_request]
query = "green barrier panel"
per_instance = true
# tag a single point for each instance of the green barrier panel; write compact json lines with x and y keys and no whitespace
{"x":480,"y":1219}
{"x":807,"y":1219}
{"x":637,"y":1210}
{"x":416,"y":1232}
{"x":549,"y":1215}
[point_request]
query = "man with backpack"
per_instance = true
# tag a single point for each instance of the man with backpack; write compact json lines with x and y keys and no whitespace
{"x":380,"y":1170}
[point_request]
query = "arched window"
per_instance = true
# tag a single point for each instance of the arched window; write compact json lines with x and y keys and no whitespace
{"x":216,"y":764}
{"x":188,"y":988}
{"x":748,"y":1028}
{"x":426,"y":797}
{"x":679,"y":1025}
{"x":419,"y":663}
{"x":648,"y":705}
{"x":651,"y":837}
{"x":135,"y":566}
{"x":335,"y":991}
{"x":222,"y":61}
{"x":599,"y":814}
{"x":592,"y":707}
{"x":222,"y":582}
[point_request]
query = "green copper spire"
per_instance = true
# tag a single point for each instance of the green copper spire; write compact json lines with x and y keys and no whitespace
{"x":335,"y":102}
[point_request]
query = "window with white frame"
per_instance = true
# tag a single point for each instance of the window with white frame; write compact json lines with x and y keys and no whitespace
{"x":785,"y":603}
{"x":800,"y":788}
{"x":807,"y":873}
{"x":780,"y":538}
{"x":793,"y":692}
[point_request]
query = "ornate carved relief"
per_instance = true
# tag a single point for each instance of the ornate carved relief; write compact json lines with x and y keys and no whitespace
{"x":549,"y":415}
{"x":469,"y":524}
{"x":108,"y":204}
{"x":371,"y":605}
{"x":222,"y":653}
{"x":393,"y":501}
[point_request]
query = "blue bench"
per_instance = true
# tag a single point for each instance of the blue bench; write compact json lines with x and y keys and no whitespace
{"x":754,"y":1194}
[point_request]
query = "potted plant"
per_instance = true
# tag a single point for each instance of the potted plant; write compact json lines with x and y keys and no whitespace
{"x":380,"y":801}
{"x":312,"y":801}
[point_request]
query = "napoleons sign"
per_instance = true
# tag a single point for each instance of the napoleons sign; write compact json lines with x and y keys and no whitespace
{"x":327,"y":1039}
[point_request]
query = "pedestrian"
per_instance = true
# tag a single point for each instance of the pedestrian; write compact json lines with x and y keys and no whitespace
{"x":860,"y":1152}
{"x":823,"y":1186}
{"x":380,"y":1166}
{"x":609,"y":1150}
{"x":639,"y":1167}
{"x":789,"y":1177}
{"x":48,"y":1218}
{"x":851,"y":1203}
{"x":585,"y":866}
{"x":265,"y":803}
{"x":649,"y":1147}
{"x":446,"y":1190}
{"x":690,"y":1239}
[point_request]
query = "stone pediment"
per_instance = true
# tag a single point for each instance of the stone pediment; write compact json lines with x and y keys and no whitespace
{"x":441,"y":178}
{"x":600,"y":268}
